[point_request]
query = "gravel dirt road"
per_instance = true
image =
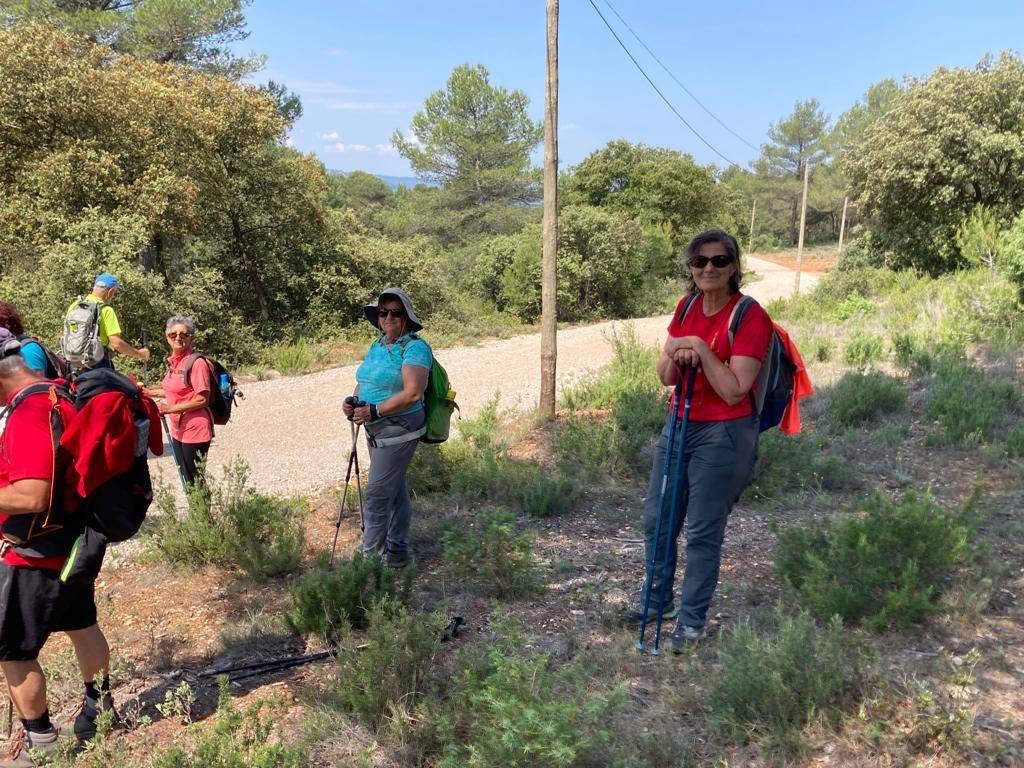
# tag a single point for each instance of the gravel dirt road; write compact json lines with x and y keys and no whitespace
{"x":292,"y":433}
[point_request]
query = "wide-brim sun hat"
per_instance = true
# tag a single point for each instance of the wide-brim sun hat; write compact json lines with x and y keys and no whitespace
{"x":370,"y":311}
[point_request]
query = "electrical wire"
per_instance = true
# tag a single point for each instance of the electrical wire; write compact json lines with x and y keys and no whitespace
{"x":677,"y":80}
{"x":657,"y":90}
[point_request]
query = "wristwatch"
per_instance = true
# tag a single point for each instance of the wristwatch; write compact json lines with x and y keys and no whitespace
{"x":373,"y":412}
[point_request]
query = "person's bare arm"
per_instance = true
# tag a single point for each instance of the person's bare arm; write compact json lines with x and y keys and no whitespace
{"x":25,"y":497}
{"x":122,"y":347}
{"x":414,"y":383}
{"x":732,"y":382}
{"x":200,"y":400}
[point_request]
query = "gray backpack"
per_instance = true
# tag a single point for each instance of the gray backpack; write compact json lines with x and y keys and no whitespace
{"x":80,"y":342}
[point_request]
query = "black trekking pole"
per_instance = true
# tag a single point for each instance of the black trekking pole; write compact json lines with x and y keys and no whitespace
{"x":145,"y":363}
{"x":174,"y":453}
{"x":678,"y":481}
{"x":353,"y":465}
{"x":661,"y":510}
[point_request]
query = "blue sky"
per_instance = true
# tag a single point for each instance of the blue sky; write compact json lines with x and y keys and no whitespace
{"x":363,"y":67}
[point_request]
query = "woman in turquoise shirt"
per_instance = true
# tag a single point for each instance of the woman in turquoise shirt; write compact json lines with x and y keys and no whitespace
{"x":391,"y":381}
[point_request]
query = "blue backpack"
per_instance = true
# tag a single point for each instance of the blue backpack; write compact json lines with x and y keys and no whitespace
{"x":773,"y":387}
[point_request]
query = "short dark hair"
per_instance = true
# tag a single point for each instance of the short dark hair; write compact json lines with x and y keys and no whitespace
{"x":731,"y":247}
{"x":10,"y":319}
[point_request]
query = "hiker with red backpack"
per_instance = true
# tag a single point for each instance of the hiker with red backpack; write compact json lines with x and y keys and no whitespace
{"x":724,"y":343}
{"x":74,"y":478}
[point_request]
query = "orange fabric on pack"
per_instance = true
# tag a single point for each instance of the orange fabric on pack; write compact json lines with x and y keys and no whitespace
{"x":790,"y":424}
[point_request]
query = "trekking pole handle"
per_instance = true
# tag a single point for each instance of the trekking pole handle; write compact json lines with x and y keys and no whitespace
{"x":355,"y":402}
{"x":691,"y":377}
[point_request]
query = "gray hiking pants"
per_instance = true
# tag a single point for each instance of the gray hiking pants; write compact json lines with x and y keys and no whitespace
{"x":718,"y":462}
{"x":387,"y":508}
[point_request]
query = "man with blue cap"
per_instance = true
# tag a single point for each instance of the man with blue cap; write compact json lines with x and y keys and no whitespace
{"x":92,"y":330}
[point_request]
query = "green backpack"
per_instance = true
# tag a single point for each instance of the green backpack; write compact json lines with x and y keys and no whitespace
{"x":438,"y":401}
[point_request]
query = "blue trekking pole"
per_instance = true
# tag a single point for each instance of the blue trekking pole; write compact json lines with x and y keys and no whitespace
{"x":690,"y":379}
{"x":661,"y":510}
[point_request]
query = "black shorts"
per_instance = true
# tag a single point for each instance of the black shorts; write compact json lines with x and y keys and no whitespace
{"x":34,"y":604}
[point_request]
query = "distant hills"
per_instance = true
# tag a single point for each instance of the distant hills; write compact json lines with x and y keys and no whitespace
{"x":394,"y":181}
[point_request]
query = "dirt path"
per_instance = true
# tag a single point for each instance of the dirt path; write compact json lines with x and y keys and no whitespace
{"x":296,"y":441}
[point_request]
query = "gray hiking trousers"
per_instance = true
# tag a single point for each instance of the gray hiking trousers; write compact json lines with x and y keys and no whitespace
{"x":718,"y":462}
{"x":387,"y":508}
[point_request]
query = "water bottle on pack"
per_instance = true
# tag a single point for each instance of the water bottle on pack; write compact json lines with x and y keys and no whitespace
{"x":225,"y":386}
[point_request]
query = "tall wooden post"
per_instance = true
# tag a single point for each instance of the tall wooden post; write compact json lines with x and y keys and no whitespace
{"x":842,"y":224}
{"x":753,"y":218}
{"x":803,"y":222}
{"x":549,"y":302}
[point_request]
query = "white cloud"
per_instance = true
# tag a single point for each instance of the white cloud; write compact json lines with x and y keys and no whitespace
{"x":289,"y":142}
{"x":413,"y":139}
{"x":332,"y":136}
{"x":322,"y":87}
{"x":364,"y":106}
{"x":336,"y":52}
{"x":341,"y":148}
{"x":386,"y":149}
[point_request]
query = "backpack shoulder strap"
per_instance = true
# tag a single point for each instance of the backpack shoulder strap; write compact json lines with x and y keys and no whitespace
{"x":688,"y":302}
{"x":186,"y":372}
{"x":738,"y":313}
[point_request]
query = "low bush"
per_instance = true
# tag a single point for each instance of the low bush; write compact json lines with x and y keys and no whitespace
{"x":880,"y":568}
{"x":515,"y":710}
{"x":383,"y":678}
{"x":968,"y":404}
{"x":852,"y":306}
{"x":633,"y":368}
{"x":923,"y":354}
{"x":864,"y":349}
{"x":232,"y":525}
{"x":821,"y":349}
{"x":776,"y":682}
{"x":859,"y":397}
{"x":1015,"y":443}
{"x":492,"y":550}
{"x":328,"y":600}
{"x":291,"y":359}
{"x":238,"y":738}
{"x":794,"y":463}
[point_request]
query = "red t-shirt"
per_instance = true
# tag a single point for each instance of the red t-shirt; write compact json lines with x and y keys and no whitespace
{"x":191,"y":426}
{"x":751,"y":340}
{"x":26,"y":453}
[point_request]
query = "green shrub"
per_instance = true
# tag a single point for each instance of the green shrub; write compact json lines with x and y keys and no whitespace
{"x":633,"y":368}
{"x":863,"y":349}
{"x":777,"y":682}
{"x":491,"y":549}
{"x":430,"y":470}
{"x":328,"y":600}
{"x":793,"y":463}
{"x":968,"y":404}
{"x":884,"y":567}
{"x":821,"y":349}
{"x":384,"y":676}
{"x":1015,"y":443}
{"x":520,"y":711}
{"x":232,"y":525}
{"x":238,"y":738}
{"x":851,"y":306}
{"x":291,"y":359}
{"x":923,"y":354}
{"x":859,"y":397}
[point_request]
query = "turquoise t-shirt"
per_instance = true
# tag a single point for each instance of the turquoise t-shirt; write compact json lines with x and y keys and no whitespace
{"x":34,"y":356}
{"x":380,"y":375}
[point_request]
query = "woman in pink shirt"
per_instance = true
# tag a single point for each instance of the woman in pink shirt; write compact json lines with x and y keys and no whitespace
{"x":186,"y":402}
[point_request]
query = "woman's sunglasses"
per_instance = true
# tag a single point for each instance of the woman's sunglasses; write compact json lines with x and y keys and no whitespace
{"x":699,"y":262}
{"x":391,"y":312}
{"x":178,"y":335}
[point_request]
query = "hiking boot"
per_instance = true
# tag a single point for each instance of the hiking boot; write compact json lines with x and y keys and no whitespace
{"x":635,"y":616}
{"x":684,"y":637}
{"x":85,"y":721}
{"x":398,"y":559}
{"x":30,"y":749}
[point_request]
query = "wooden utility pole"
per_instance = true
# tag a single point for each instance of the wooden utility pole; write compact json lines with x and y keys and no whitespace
{"x":753,"y":217}
{"x":842,"y":224}
{"x":803,"y":222}
{"x":549,"y":301}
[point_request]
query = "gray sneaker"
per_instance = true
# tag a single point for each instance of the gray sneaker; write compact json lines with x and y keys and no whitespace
{"x":684,"y":637}
{"x":30,"y":749}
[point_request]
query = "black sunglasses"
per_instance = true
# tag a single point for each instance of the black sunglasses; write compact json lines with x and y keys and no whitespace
{"x":702,"y":261}
{"x":391,"y":312}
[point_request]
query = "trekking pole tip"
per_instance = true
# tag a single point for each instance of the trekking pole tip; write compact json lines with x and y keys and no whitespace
{"x":639,"y":647}
{"x":655,"y":652}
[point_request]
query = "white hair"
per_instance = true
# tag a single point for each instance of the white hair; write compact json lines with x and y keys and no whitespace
{"x":188,"y":322}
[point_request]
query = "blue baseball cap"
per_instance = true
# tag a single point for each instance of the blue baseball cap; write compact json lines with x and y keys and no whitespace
{"x":107,"y":280}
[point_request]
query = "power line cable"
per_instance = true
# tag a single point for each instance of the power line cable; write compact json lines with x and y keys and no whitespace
{"x":677,"y":80}
{"x":657,"y":90}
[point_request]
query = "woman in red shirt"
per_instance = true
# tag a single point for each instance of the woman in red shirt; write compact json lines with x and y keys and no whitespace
{"x":187,"y":404}
{"x":721,"y":440}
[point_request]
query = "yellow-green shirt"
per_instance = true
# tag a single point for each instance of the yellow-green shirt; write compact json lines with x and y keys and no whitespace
{"x":108,"y":323}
